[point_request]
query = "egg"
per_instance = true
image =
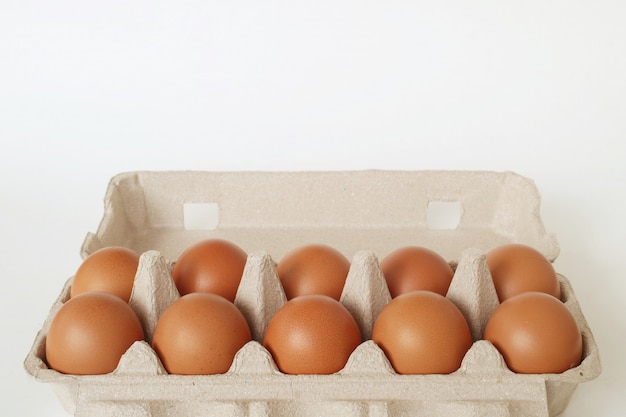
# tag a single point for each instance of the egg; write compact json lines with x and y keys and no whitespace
{"x":517,"y":268}
{"x":535,"y":333}
{"x":111,"y":269}
{"x":312,"y":334}
{"x":422,"y":332}
{"x":199,"y":334}
{"x":213,"y":266}
{"x":414,"y":268}
{"x":90,"y":333}
{"x":313,"y":269}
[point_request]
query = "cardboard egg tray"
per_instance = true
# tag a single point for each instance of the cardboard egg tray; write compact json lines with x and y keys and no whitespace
{"x":365,"y":214}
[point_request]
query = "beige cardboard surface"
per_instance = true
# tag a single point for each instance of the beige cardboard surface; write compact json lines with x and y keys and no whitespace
{"x":365,"y":214}
{"x":352,"y":210}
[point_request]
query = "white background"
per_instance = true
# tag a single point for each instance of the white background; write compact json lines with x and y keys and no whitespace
{"x":90,"y":89}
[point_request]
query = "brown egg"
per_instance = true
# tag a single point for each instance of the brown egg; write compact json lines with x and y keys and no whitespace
{"x":313,"y":269}
{"x":416,"y":268}
{"x":312,"y":334}
{"x":212,"y":266}
{"x":422,"y":332}
{"x":536,"y":334}
{"x":90,"y":333}
{"x":199,"y":334}
{"x":111,"y":269}
{"x":517,"y":268}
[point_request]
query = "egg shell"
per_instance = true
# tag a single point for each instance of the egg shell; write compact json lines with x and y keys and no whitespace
{"x":414,"y":268}
{"x":90,"y":333}
{"x":199,"y":334}
{"x":311,"y":334}
{"x":517,"y":268}
{"x":535,"y":333}
{"x":111,"y":269}
{"x":313,"y":269}
{"x":422,"y":332}
{"x":212,"y":265}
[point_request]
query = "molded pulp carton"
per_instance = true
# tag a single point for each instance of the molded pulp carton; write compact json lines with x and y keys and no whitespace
{"x":364,"y":214}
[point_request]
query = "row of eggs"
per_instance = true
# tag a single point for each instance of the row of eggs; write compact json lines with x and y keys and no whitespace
{"x":420,"y":330}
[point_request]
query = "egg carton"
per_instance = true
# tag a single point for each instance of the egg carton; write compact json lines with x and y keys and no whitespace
{"x":364,"y":214}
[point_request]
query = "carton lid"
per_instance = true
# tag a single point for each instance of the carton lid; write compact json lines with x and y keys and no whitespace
{"x":378,"y":210}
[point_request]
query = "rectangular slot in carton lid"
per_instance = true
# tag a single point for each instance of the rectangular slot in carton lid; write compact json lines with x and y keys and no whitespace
{"x":444,"y":215}
{"x":201,"y":216}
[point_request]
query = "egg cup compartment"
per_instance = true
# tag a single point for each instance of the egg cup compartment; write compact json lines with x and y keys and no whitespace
{"x":368,"y":385}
